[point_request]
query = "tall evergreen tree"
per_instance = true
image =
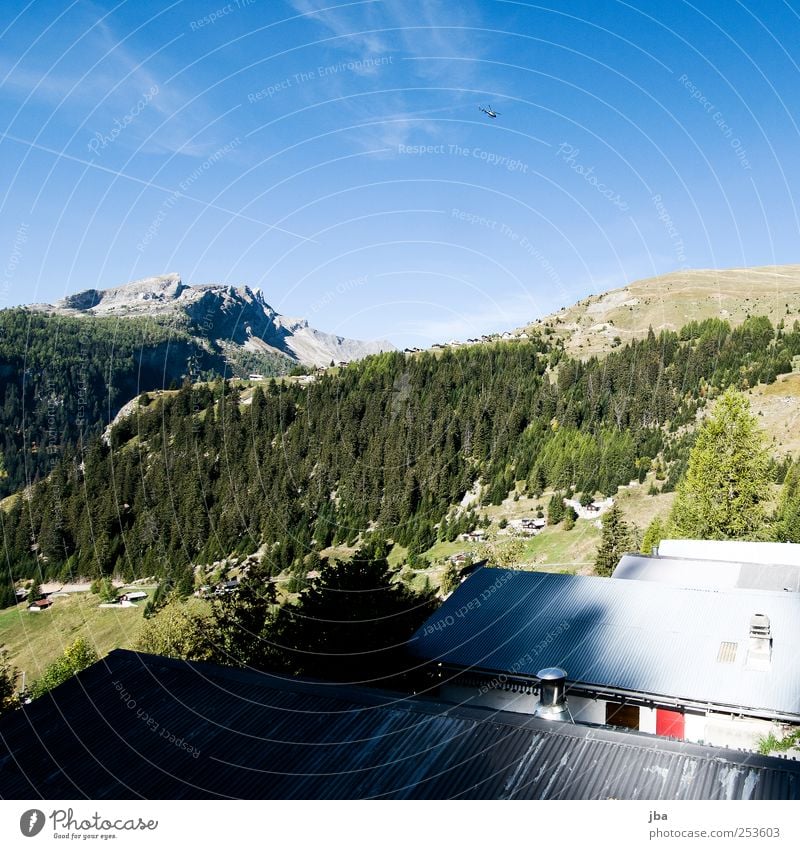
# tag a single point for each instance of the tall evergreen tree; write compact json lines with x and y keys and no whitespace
{"x":653,"y":535}
{"x":616,"y":540}
{"x":727,"y":482}
{"x":350,"y":623}
{"x":555,"y":508}
{"x":35,"y":592}
{"x":7,"y":594}
{"x":787,"y":526}
{"x":240,"y":620}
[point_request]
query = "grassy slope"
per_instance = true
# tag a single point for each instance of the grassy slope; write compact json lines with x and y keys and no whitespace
{"x":555,"y":549}
{"x":778,"y":409}
{"x":672,"y":300}
{"x":34,"y":640}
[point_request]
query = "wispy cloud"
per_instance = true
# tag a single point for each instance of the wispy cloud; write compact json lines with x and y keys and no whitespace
{"x":345,"y":22}
{"x":424,"y":40}
{"x":100,"y":80}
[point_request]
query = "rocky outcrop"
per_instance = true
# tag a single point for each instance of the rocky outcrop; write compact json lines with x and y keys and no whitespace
{"x":219,"y":313}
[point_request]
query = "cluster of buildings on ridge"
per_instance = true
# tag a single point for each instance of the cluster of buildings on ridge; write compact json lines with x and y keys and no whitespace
{"x":507,"y":336}
{"x":128,"y":598}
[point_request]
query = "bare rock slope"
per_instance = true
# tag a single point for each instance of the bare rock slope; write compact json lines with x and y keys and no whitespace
{"x":221,"y":313}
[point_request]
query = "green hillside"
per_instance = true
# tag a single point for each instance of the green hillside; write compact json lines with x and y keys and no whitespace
{"x":406,"y":454}
{"x":602,"y":322}
{"x":64,"y":378}
{"x":33,"y":640}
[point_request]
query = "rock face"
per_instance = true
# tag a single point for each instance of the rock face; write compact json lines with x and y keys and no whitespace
{"x":220,"y":313}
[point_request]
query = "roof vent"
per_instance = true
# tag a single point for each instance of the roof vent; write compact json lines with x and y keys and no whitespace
{"x":759,"y":650}
{"x":552,"y":694}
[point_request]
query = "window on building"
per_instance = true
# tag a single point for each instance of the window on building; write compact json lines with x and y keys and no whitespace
{"x":622,"y":716}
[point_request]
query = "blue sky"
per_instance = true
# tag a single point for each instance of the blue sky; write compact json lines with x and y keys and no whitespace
{"x":333,"y":154}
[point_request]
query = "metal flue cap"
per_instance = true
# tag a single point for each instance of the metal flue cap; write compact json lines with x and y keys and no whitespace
{"x":552,"y":704}
{"x":552,"y":673}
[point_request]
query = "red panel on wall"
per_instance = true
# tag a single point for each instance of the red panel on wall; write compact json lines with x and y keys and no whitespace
{"x":670,"y":723}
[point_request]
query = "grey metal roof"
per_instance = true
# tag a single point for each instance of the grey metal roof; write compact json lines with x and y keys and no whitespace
{"x":262,"y":737}
{"x":635,"y":636}
{"x":736,"y":551}
{"x":708,"y":574}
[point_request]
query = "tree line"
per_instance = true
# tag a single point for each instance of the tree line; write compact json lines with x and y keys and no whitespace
{"x":726,"y":493}
{"x":383,"y":449}
{"x":63,"y":378}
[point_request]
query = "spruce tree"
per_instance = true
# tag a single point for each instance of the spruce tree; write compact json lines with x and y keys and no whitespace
{"x":7,"y":595}
{"x":35,"y":592}
{"x":617,"y":539}
{"x":653,"y":535}
{"x":555,"y":508}
{"x":350,"y":623}
{"x":727,"y":481}
{"x":787,"y":527}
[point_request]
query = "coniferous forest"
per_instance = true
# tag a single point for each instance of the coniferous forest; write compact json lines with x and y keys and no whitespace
{"x":63,"y":379}
{"x":383,"y":449}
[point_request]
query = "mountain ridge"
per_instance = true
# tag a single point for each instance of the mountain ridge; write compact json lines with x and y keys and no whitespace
{"x":219,"y":312}
{"x":670,"y":301}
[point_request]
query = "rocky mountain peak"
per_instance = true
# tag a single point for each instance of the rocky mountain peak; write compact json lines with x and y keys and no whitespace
{"x":221,"y":313}
{"x":141,"y":293}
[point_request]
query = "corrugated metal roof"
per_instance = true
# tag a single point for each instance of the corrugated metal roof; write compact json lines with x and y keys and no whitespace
{"x":736,"y":551}
{"x":261,"y":737}
{"x":709,"y":574}
{"x":635,"y":636}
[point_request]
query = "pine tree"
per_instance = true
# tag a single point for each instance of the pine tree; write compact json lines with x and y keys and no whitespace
{"x":35,"y":592}
{"x":653,"y":535}
{"x":8,"y":678}
{"x":350,"y":623}
{"x":107,"y":591}
{"x":727,"y":481}
{"x":788,"y":515}
{"x":7,"y":595}
{"x":615,"y":541}
{"x":240,"y":619}
{"x":555,"y":508}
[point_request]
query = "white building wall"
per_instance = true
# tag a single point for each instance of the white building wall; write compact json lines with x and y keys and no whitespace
{"x":736,"y":732}
{"x":587,"y":710}
{"x":713,"y":729}
{"x":581,"y":709}
{"x":498,"y":699}
{"x":647,"y":720}
{"x":694,"y":728}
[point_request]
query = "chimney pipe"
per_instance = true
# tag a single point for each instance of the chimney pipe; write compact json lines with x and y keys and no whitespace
{"x":552,"y":694}
{"x":759,"y":650}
